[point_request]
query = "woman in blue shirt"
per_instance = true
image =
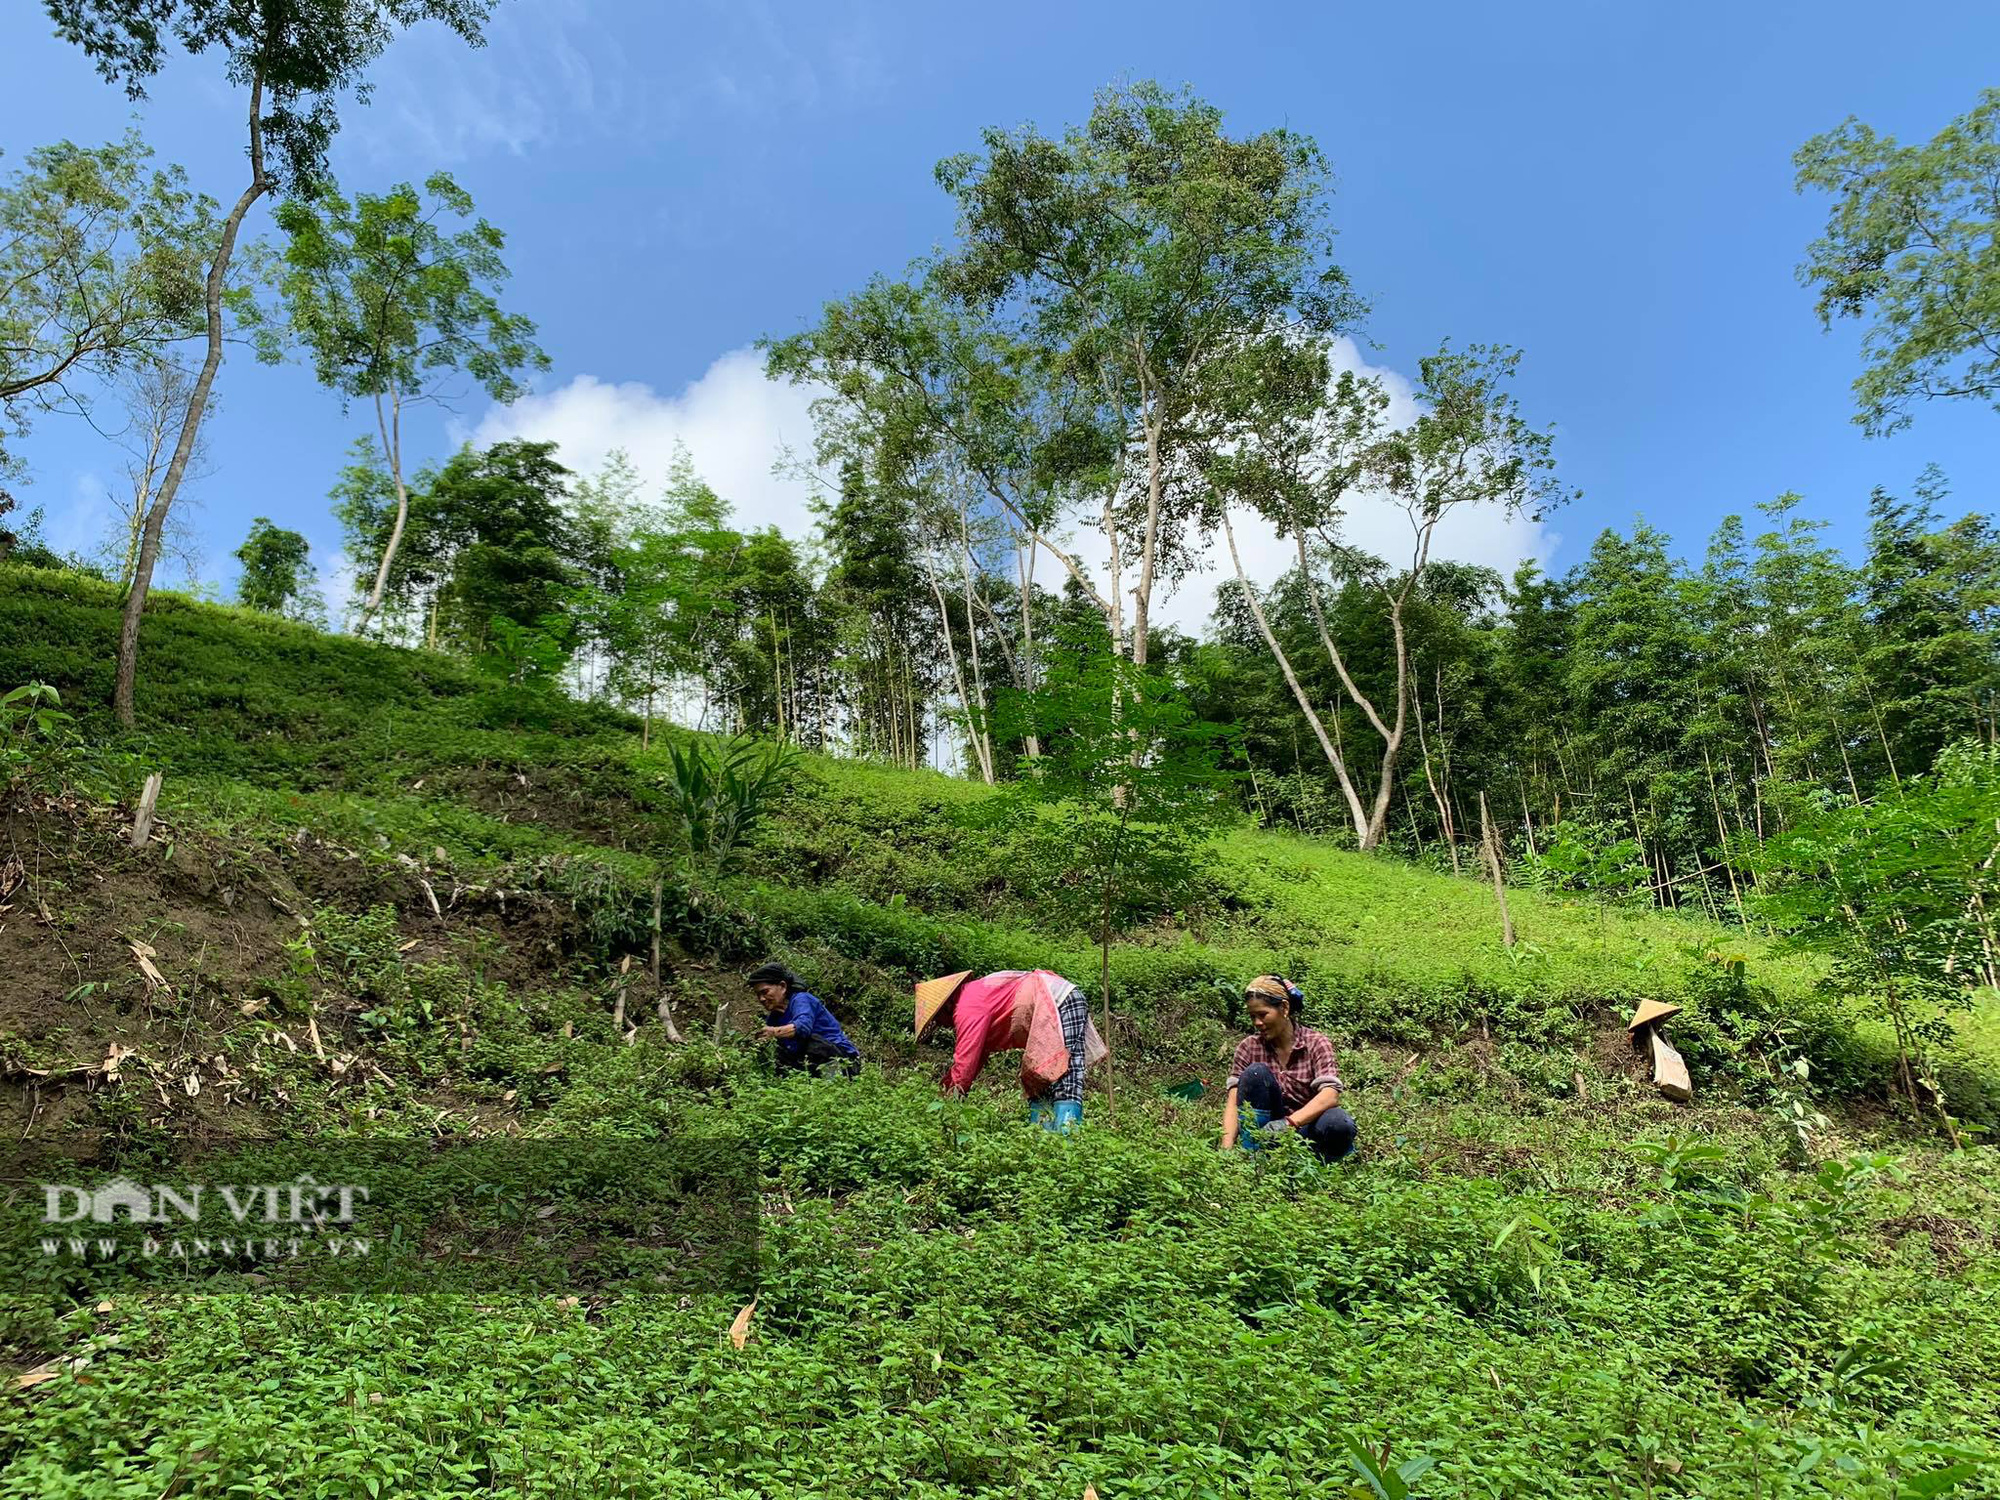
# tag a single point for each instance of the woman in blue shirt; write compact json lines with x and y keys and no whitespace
{"x":798,"y":1021}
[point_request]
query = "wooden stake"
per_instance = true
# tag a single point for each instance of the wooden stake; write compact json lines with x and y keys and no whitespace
{"x":142,"y":824}
{"x":658,"y":882}
{"x":1492,"y":848}
{"x":624,"y":973}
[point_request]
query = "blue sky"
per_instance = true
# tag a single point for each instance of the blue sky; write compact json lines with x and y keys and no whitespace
{"x":1606,"y":186}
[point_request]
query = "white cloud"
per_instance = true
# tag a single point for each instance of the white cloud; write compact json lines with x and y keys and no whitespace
{"x":560,"y":72}
{"x":81,"y":523}
{"x":546,"y":72}
{"x":733,"y":421}
{"x":334,"y":573}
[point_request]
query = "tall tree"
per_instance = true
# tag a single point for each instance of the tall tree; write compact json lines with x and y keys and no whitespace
{"x":101,"y":267}
{"x":277,"y":572}
{"x":1109,"y":289}
{"x":503,"y":544}
{"x":295,"y":59}
{"x":155,"y":392}
{"x":674,"y":607}
{"x":1913,"y":241}
{"x":1468,"y":446}
{"x":1154,"y":265}
{"x":1802,"y":647}
{"x":394,"y":307}
{"x":1930,"y":595}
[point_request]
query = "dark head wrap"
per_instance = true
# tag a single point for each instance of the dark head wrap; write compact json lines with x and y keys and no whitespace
{"x":774,"y":973}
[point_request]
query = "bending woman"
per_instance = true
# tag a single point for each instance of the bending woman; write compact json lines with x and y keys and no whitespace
{"x":1284,"y":1076}
{"x":1041,"y":1013}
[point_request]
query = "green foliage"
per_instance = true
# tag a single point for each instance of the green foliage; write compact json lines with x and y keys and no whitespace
{"x":35,"y":736}
{"x":102,"y":262}
{"x":304,"y":59}
{"x":1908,"y":241}
{"x":389,"y":302}
{"x":870,"y":878}
{"x":1579,"y":855}
{"x":1902,"y":895}
{"x":1385,"y":1482}
{"x":392,"y":307}
{"x":276,"y":572}
{"x":716,"y":798}
{"x":954,"y":1306}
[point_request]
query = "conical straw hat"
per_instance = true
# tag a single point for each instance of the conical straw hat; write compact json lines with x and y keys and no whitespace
{"x":1650,"y":1011}
{"x":933,"y":995}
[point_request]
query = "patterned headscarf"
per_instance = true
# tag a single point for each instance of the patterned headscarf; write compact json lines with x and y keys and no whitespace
{"x":1277,"y":989}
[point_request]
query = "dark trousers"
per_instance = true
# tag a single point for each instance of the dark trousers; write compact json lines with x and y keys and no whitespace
{"x":814,"y":1056}
{"x":1330,"y":1133}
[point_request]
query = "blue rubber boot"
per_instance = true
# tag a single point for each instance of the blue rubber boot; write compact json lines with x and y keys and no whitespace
{"x":1039,"y":1114}
{"x":1249,"y":1121}
{"x":1069,"y":1115}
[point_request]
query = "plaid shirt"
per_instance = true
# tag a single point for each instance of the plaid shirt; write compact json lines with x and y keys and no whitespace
{"x":1308,"y":1069}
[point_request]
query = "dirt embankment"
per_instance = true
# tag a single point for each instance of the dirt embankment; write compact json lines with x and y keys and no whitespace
{"x":156,"y":966}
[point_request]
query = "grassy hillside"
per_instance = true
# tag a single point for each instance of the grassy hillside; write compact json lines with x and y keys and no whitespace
{"x":390,"y":899}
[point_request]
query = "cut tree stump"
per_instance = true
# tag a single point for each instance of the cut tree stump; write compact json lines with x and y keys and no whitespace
{"x":142,"y":824}
{"x":666,"y":1014}
{"x":1670,"y":1071}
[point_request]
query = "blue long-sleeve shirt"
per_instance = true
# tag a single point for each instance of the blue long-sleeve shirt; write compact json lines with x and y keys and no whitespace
{"x":808,"y":1014}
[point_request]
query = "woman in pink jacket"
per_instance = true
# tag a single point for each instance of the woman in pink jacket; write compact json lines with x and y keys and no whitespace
{"x":1042,"y":1014}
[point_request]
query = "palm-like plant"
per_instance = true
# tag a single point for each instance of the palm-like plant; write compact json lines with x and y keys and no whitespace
{"x":717,"y":797}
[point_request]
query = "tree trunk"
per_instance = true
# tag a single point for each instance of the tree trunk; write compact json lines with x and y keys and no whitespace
{"x":1491,"y":842}
{"x":149,"y":546}
{"x":1026,"y":563}
{"x":1149,"y":544}
{"x":976,"y":715}
{"x":1333,"y":757}
{"x":978,"y":744}
{"x":391,"y":428}
{"x":1881,"y":732}
{"x":1445,"y":825}
{"x":1410,"y":812}
{"x":1391,"y":733}
{"x":1652,"y":879}
{"x":777,"y":675}
{"x":1722,"y":838}
{"x":1104,"y":950}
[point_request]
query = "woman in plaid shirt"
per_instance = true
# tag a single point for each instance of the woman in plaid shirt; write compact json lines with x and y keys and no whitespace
{"x":1284,"y":1075}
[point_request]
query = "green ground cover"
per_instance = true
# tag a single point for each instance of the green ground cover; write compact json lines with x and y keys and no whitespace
{"x":1538,"y":1275}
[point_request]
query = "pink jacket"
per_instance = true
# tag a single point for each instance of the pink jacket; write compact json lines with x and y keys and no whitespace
{"x":1015,"y":1009}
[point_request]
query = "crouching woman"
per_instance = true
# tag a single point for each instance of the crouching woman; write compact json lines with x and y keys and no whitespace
{"x":1284,"y":1077}
{"x":807,"y":1035}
